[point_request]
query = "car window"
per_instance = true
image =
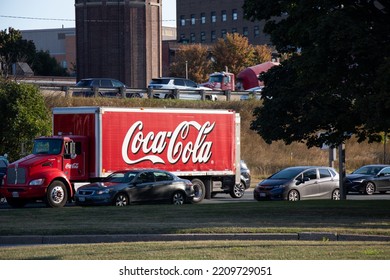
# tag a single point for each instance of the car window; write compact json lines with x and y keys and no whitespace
{"x":179,"y":82}
{"x":145,"y":177}
{"x":116,"y":83}
{"x":84,"y":83}
{"x":324,"y":173}
{"x":190,"y":83}
{"x":116,"y":178}
{"x":311,"y":174}
{"x":162,"y":176}
{"x":385,"y":171}
{"x":106,"y":83}
{"x":3,"y":163}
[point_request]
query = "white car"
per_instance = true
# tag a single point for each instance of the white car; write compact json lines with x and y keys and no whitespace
{"x":254,"y":92}
{"x":186,"y":89}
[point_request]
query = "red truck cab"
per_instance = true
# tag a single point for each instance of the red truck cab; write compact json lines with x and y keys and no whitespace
{"x":221,"y":81}
{"x":47,"y":173}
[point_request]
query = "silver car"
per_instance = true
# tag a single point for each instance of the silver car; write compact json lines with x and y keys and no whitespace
{"x":298,"y":183}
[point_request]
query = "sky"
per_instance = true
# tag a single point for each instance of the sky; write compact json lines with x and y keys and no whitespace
{"x":47,"y":14}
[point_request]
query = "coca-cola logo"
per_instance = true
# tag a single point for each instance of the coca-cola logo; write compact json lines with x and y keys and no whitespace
{"x":72,"y":166}
{"x":176,"y":143}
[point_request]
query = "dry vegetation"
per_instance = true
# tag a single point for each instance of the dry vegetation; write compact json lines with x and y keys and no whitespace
{"x":263,"y":159}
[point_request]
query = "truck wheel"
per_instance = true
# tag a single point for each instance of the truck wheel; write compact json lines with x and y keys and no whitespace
{"x":16,"y":203}
{"x":200,"y":190}
{"x":237,"y":191}
{"x":56,"y":195}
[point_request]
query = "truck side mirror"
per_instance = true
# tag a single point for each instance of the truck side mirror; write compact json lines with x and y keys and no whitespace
{"x":70,"y":151}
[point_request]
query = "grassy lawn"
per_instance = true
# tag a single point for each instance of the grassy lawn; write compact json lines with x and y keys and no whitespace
{"x":342,"y":217}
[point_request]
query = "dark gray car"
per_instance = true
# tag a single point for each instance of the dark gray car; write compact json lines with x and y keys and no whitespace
{"x":124,"y":187}
{"x":298,"y":183}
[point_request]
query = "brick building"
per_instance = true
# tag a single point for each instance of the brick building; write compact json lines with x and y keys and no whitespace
{"x":204,"y":21}
{"x":119,"y":39}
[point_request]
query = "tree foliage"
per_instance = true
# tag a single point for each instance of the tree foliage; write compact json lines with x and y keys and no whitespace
{"x":13,"y":48}
{"x":336,"y":82}
{"x":23,"y":116}
{"x":193,"y":59}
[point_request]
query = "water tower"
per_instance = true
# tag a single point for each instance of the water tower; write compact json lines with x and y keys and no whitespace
{"x":119,"y":39}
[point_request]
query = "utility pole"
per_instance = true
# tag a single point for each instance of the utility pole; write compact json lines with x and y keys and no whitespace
{"x":343,"y":193}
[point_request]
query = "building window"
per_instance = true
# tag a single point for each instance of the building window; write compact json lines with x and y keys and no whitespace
{"x":182,"y":21}
{"x":223,"y":33}
{"x":223,"y":15}
{"x":202,"y":37}
{"x":245,"y":31}
{"x":234,"y":14}
{"x":213,"y":17}
{"x":203,"y":18}
{"x":213,"y":36}
{"x":193,"y":20}
{"x":192,"y":38}
{"x":256,"y":31}
{"x":234,"y":30}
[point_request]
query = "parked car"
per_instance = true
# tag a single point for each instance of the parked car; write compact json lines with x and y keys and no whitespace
{"x":168,"y":83}
{"x":3,"y":170}
{"x":299,"y":183}
{"x":369,"y":179}
{"x":228,"y":183}
{"x":124,"y":187}
{"x":105,"y":85}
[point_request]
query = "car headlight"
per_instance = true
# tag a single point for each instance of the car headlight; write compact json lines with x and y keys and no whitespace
{"x":104,"y":191}
{"x":37,"y":182}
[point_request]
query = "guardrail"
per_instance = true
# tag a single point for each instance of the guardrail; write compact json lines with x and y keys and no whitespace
{"x":73,"y":91}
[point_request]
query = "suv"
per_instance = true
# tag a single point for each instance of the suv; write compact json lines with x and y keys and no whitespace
{"x":103,"y":84}
{"x":168,"y":84}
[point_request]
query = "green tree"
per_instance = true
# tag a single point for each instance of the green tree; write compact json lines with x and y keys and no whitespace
{"x":194,"y":60}
{"x":45,"y":65}
{"x":23,"y":116}
{"x":336,"y":81}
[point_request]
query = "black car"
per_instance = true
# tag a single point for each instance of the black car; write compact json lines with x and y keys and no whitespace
{"x":106,"y":88}
{"x":124,"y":187}
{"x":369,"y":179}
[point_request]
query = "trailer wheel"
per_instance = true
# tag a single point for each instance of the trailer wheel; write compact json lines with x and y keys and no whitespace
{"x":237,"y":191}
{"x":200,"y":190}
{"x":56,"y":195}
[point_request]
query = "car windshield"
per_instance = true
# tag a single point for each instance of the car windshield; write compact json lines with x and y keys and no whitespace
{"x":84,"y":83}
{"x":159,"y":81}
{"x":288,"y":173}
{"x":121,"y":177}
{"x":368,"y":170}
{"x":216,"y":79}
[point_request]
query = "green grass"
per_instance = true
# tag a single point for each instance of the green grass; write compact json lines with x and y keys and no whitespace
{"x":352,"y":217}
{"x":204,"y":250}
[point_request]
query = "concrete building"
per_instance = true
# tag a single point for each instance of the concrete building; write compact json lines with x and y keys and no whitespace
{"x":59,"y":42}
{"x":119,"y":39}
{"x":204,"y":21}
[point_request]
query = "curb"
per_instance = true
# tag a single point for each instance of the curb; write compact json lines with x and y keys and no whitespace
{"x":88,"y":239}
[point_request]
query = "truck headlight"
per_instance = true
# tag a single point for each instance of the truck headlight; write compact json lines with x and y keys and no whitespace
{"x":37,"y":182}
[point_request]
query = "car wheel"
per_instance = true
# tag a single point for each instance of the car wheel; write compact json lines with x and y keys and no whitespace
{"x":170,"y":96}
{"x":2,"y":199}
{"x":370,"y":188}
{"x":293,"y":195}
{"x":237,"y":191}
{"x":16,"y":203}
{"x":200,"y":190}
{"x":178,"y":198}
{"x":121,"y":200}
{"x":56,"y":195}
{"x":336,"y":194}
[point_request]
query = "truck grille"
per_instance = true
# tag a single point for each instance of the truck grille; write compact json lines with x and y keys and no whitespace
{"x":16,"y":176}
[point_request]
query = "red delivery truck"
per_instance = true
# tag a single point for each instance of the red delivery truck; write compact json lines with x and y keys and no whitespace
{"x":89,"y":143}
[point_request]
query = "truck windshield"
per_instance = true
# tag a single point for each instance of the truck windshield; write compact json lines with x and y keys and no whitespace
{"x":216,"y":79}
{"x":47,"y":146}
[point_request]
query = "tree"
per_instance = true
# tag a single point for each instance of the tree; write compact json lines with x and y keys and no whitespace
{"x":233,"y":52}
{"x":45,"y":65}
{"x":194,"y":59}
{"x":336,"y":82}
{"x":14,"y":49}
{"x":23,"y":116}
